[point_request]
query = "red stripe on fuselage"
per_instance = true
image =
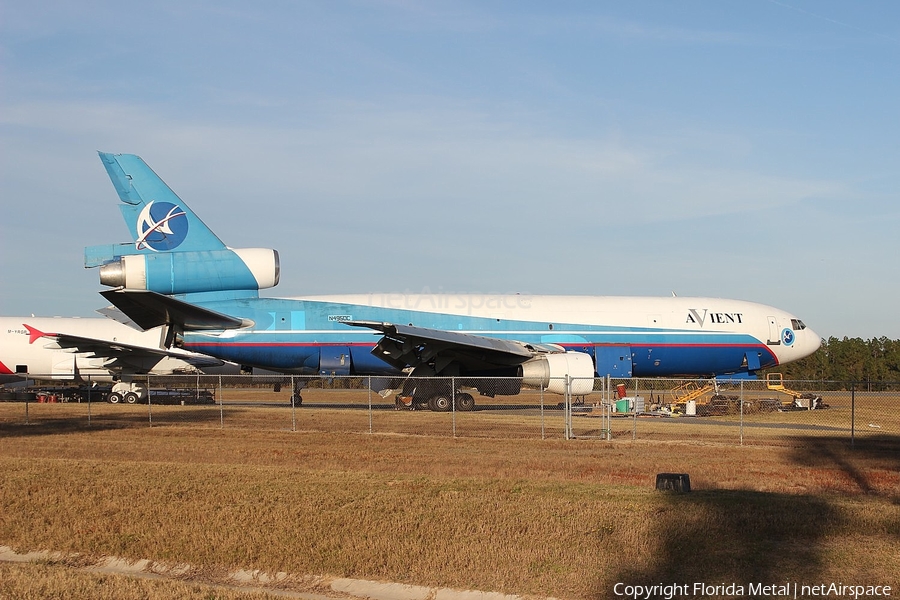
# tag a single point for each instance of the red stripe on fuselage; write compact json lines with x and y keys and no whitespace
{"x":367,"y":345}
{"x":275,"y":344}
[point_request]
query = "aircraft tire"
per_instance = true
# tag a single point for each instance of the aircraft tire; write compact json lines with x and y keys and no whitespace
{"x":131,"y":398}
{"x":465,"y":402}
{"x":440,"y":403}
{"x":114,"y":398}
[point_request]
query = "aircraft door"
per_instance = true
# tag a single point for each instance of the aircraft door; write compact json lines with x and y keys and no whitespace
{"x":614,"y":361}
{"x":334,"y":360}
{"x":751,"y":359}
{"x":774,"y":332}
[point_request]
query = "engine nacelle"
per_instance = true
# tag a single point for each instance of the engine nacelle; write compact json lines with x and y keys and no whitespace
{"x":548,"y":372}
{"x":188,"y":272}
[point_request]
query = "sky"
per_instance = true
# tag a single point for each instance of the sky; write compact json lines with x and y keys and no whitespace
{"x":743,"y":150}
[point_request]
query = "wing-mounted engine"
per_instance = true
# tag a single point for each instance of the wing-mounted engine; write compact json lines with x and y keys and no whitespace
{"x":552,"y":372}
{"x":479,"y":361}
{"x":189,"y":272}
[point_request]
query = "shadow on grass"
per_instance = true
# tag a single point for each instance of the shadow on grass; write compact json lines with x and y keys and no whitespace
{"x":55,"y":427}
{"x":748,"y":537}
{"x":733,"y":536}
{"x":860,"y":462}
{"x":110,"y":420}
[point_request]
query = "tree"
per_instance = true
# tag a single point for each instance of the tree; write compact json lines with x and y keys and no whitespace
{"x":874,"y":362}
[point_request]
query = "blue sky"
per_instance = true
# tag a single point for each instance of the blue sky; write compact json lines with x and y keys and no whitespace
{"x":733,"y":149}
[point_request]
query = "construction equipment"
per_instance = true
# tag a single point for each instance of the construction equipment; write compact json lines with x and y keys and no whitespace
{"x":692,"y":390}
{"x":702,"y":399}
{"x":799,"y":400}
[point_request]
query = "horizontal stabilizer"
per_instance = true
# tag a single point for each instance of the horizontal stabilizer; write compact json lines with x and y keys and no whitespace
{"x":149,"y":309}
{"x":95,"y":256}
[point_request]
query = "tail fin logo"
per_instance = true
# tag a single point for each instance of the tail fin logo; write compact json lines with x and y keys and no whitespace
{"x":161,"y":226}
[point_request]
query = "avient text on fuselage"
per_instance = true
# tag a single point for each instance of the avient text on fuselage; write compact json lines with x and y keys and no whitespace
{"x":718,"y":318}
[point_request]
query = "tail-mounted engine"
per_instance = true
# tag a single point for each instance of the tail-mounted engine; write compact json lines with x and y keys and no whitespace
{"x":189,"y":272}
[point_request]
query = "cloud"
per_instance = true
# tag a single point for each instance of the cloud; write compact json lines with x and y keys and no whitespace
{"x":375,"y":160}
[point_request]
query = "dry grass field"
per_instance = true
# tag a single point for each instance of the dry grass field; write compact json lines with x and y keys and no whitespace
{"x":311,"y":492}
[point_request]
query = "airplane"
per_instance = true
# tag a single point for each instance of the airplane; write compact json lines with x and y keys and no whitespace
{"x":177,"y":273}
{"x":90,"y":351}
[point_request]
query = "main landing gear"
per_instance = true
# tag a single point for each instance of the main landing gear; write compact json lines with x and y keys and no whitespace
{"x":439,"y":402}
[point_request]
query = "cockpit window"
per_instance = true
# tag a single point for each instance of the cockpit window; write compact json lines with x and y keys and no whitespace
{"x":797,"y":325}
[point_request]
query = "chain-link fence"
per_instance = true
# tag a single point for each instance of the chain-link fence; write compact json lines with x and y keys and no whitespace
{"x":769,"y":411}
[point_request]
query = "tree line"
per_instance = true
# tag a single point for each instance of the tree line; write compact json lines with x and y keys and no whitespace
{"x":873,"y":362}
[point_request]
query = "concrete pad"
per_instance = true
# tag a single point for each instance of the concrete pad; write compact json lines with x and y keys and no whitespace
{"x":248,"y":580}
{"x":121,"y":565}
{"x":257,"y":577}
{"x":7,"y":554}
{"x":381,"y":591}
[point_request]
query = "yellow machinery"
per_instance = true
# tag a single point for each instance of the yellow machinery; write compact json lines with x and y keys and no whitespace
{"x":775,"y":382}
{"x":692,"y":390}
{"x":695,"y":397}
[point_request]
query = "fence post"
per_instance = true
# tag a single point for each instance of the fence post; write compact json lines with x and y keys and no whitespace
{"x":853,"y":415}
{"x":149,"y":408}
{"x":221,"y":406}
{"x":453,"y":403}
{"x":293,"y":405}
{"x":634,"y":413}
{"x":90,"y":389}
{"x":369,"y":386}
{"x":742,"y":412}
{"x":606,"y":401}
{"x":543,"y":429}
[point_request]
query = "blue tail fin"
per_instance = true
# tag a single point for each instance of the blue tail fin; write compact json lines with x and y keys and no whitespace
{"x":174,"y":252}
{"x":158,"y":219}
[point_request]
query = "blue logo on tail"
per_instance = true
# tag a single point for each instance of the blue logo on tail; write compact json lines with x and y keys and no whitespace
{"x":161,"y":226}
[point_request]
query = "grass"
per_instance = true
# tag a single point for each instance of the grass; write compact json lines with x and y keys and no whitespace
{"x":526,"y":516}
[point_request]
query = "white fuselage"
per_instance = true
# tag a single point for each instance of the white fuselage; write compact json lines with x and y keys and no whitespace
{"x":630,"y":319}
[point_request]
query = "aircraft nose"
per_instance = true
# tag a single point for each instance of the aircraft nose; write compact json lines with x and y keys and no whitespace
{"x":811,"y":342}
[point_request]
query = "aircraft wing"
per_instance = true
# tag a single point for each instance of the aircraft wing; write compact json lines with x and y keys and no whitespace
{"x":407,"y":345}
{"x":116,"y":354}
{"x":150,"y":309}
